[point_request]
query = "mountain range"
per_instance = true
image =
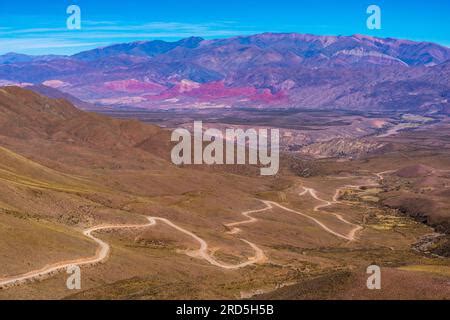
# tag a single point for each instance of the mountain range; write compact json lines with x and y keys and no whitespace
{"x":262,"y":71}
{"x":65,"y":173}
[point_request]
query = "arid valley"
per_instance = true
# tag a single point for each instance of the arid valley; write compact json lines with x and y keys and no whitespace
{"x":82,"y":188}
{"x":108,"y":193}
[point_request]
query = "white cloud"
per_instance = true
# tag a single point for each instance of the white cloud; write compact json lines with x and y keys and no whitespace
{"x":152,"y":27}
{"x":40,"y":43}
{"x":101,"y":33}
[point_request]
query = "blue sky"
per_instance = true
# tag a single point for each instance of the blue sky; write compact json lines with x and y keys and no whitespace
{"x":34,"y":27}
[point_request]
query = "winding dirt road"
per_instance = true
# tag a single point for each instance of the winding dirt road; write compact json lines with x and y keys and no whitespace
{"x":203,"y":251}
{"x":104,"y":248}
{"x":100,"y":256}
{"x":351,"y":235}
{"x":249,"y":220}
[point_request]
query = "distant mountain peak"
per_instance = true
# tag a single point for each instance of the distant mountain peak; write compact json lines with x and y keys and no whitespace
{"x":282,"y":69}
{"x":148,"y":48}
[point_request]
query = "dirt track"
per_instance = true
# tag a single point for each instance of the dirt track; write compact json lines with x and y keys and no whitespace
{"x":104,"y":248}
